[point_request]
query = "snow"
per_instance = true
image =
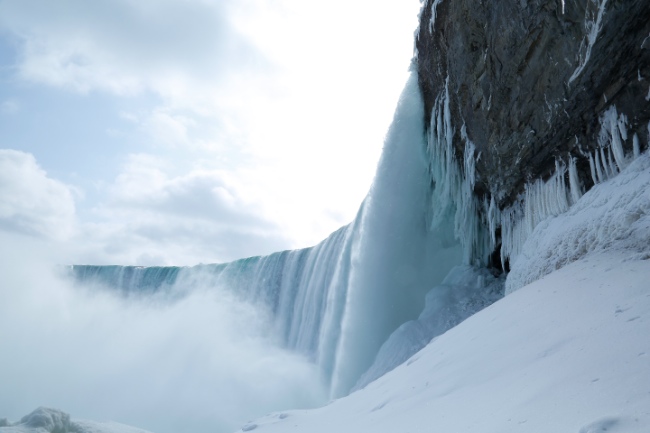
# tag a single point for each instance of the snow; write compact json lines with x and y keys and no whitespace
{"x":569,"y":352}
{"x":48,"y":420}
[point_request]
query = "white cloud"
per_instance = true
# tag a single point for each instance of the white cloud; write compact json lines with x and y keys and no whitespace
{"x":154,"y":217}
{"x":30,"y":201}
{"x":283,"y":103}
{"x":121,"y":46}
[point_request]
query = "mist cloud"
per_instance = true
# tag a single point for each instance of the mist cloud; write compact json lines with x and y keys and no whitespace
{"x":203,"y":364}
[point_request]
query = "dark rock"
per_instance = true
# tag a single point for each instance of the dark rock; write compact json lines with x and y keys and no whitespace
{"x":516,"y":82}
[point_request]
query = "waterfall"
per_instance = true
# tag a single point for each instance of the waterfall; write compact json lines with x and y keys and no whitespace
{"x":337,"y":302}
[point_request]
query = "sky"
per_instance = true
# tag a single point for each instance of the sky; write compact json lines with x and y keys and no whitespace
{"x":185,"y":131}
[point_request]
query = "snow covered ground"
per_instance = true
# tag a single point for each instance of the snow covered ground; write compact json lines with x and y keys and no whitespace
{"x":47,"y":420}
{"x":567,"y":352}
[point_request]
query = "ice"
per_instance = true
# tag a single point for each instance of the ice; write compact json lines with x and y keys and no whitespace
{"x":592,"y":167}
{"x":593,"y":25}
{"x":542,"y":200}
{"x":539,"y":201}
{"x":452,"y":195}
{"x":574,"y":181}
{"x":432,"y":21}
{"x":614,"y":215}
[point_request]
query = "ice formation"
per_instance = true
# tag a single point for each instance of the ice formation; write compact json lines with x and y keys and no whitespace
{"x":432,"y":21}
{"x":451,"y":196}
{"x":544,"y":199}
{"x":593,"y":25}
{"x":614,"y":215}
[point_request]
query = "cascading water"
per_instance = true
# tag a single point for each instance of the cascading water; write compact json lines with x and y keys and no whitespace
{"x":337,"y":302}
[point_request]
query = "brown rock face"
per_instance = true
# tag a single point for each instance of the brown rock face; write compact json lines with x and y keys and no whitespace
{"x":531,"y":78}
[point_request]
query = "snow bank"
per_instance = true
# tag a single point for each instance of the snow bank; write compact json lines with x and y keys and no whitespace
{"x":613,"y":215}
{"x":567,"y":353}
{"x":47,"y":420}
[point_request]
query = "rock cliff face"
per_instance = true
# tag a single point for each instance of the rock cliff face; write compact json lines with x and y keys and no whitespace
{"x":531,"y":79}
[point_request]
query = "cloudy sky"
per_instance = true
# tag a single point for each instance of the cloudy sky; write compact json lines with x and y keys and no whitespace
{"x":185,"y":131}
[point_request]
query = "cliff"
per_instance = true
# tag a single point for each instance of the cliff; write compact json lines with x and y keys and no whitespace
{"x":532,"y":81}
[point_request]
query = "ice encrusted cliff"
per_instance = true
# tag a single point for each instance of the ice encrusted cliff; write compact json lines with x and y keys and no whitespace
{"x":538,"y":87}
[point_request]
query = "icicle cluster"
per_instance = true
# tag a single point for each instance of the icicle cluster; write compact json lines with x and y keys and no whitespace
{"x":476,"y":223}
{"x":452,"y":189}
{"x":609,"y":159}
{"x":539,"y":201}
{"x":544,"y":199}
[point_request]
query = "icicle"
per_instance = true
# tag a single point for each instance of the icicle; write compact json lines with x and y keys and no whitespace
{"x":493,"y":220}
{"x":605,"y":164}
{"x":635,"y":146}
{"x":599,"y":169}
{"x":452,"y":196}
{"x":618,"y":132}
{"x":613,"y":132}
{"x":613,"y":170}
{"x":592,"y":167}
{"x":574,"y":180}
{"x":539,"y":201}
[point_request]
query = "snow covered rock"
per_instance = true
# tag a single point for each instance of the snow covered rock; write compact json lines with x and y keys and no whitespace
{"x":47,"y":420}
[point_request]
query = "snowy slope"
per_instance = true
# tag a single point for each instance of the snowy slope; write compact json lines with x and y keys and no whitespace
{"x":569,"y":352}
